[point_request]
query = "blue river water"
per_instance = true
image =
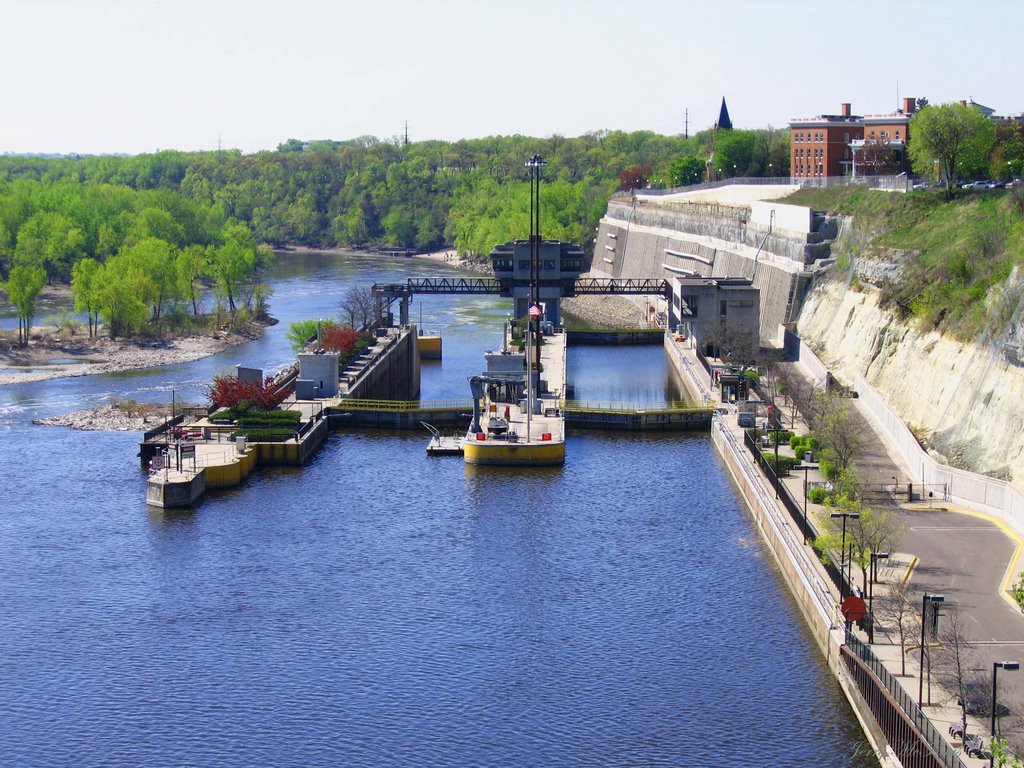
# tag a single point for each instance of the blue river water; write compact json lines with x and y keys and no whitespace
{"x":379,"y":607}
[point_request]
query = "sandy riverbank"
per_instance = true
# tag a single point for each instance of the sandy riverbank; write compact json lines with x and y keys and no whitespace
{"x":52,"y":356}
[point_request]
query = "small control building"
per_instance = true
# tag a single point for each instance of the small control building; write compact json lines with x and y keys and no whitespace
{"x":719,"y":315}
{"x":557,"y":267}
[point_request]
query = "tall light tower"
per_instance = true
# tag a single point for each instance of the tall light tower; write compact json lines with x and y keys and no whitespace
{"x":535,"y":163}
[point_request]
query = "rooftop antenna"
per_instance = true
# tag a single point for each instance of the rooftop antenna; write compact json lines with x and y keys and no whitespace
{"x":686,"y":125}
{"x":535,"y":163}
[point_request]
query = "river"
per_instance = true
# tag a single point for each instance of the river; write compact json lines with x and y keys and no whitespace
{"x":382,"y":608}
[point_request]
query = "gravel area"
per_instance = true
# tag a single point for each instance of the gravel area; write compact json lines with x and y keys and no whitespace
{"x":604,"y":311}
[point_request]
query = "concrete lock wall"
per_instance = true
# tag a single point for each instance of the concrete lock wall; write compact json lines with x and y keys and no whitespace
{"x":708,"y":240}
{"x":393,"y":374}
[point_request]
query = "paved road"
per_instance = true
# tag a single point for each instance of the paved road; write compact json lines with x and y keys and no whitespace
{"x":964,"y":558}
{"x":960,"y":555}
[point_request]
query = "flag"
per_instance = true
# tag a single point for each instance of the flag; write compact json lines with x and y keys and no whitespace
{"x":535,"y":310}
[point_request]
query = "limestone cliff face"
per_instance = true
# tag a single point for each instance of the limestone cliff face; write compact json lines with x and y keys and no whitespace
{"x":965,"y":399}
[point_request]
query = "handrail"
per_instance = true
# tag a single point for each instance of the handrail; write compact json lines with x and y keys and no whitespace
{"x":399,"y":406}
{"x":588,"y":406}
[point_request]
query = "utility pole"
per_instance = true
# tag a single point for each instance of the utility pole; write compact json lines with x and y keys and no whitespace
{"x":686,"y":124}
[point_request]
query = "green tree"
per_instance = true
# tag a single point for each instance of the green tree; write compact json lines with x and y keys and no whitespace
{"x":120,"y":291}
{"x":955,"y":136}
{"x":300,"y":332}
{"x":86,"y":288}
{"x":686,"y":169}
{"x":151,"y":263}
{"x":232,"y":263}
{"x":22,"y":288}
{"x":191,"y":266}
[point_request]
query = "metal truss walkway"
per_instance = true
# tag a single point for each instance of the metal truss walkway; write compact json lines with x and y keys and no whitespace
{"x":583,"y":286}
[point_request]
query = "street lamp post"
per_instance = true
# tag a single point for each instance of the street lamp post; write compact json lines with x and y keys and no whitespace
{"x":875,"y":557}
{"x":934,"y":600}
{"x":842,"y":549}
{"x":996,"y":666}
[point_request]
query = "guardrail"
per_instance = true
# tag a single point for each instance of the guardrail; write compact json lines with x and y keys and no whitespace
{"x":899,"y":182}
{"x":401,"y":406}
{"x":589,"y":406}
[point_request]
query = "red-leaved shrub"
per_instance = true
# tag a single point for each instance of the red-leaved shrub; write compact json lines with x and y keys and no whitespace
{"x":228,"y":391}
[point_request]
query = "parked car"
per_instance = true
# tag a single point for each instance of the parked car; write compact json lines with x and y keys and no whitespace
{"x":996,"y":184}
{"x":975,"y":185}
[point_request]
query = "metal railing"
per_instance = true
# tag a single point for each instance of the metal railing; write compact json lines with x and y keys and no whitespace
{"x":930,"y":749}
{"x":899,"y":182}
{"x":400,"y":406}
{"x":835,"y":573}
{"x":805,"y":569}
{"x":594,"y":406}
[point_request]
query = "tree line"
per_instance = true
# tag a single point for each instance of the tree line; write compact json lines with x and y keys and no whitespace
{"x":137,"y":259}
{"x":421,"y":195}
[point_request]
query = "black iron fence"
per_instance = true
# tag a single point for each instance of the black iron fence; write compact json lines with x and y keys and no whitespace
{"x":796,"y":509}
{"x":912,"y":736}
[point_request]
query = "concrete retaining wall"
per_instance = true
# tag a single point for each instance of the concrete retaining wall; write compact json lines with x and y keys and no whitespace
{"x":970,"y":489}
{"x":808,"y":589}
{"x":791,"y":220}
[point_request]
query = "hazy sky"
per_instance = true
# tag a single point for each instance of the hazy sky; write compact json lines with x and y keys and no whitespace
{"x":133,"y":76}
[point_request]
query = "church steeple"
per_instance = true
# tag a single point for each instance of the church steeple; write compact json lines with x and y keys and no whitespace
{"x":724,"y":123}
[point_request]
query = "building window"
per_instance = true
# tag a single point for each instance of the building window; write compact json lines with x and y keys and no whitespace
{"x":722,"y":307}
{"x":897,"y":135}
{"x":846,"y":137}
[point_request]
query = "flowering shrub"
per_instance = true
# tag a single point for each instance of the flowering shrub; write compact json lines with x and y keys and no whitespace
{"x":228,"y":391}
{"x":338,"y":339}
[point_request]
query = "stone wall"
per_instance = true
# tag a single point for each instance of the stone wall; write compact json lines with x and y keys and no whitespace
{"x":964,"y":398}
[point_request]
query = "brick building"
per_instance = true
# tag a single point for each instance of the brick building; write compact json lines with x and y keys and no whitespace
{"x":890,"y":132}
{"x":820,"y":146}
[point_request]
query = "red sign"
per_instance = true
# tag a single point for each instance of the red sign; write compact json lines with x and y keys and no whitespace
{"x":853,"y":608}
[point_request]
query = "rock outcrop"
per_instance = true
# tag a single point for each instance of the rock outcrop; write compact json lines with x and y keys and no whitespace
{"x":964,"y":400}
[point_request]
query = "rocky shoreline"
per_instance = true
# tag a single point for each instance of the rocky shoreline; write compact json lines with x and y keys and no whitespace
{"x":51,"y":356}
{"x":118,"y":416}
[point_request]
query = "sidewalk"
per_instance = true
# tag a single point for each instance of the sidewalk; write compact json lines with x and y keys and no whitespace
{"x":941,"y":708}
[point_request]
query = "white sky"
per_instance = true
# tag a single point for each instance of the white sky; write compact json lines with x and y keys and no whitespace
{"x":96,"y":76}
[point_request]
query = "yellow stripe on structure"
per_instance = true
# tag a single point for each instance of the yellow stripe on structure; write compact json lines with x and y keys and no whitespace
{"x":506,"y":455}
